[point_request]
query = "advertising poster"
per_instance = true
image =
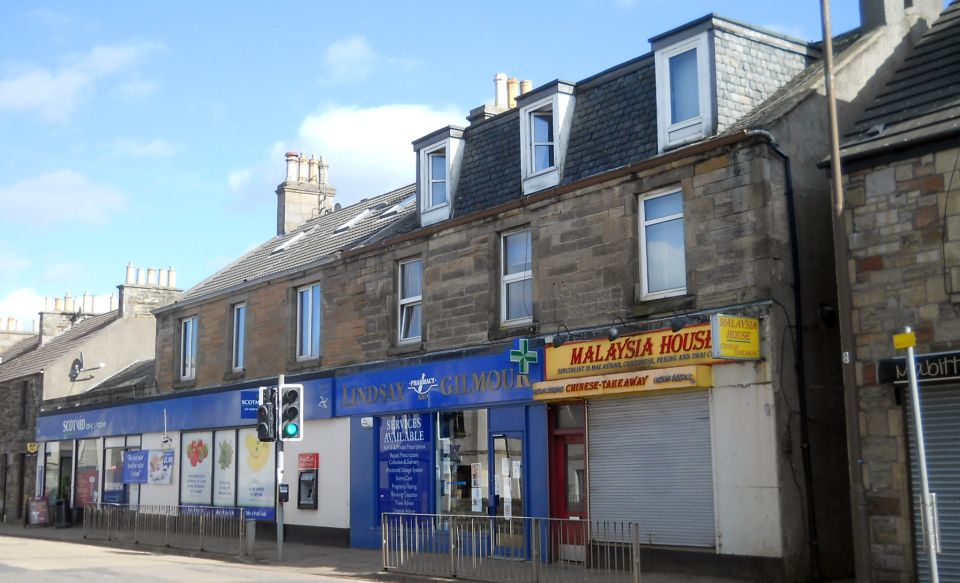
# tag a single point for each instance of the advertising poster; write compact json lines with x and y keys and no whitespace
{"x":161,"y":467}
{"x":135,"y":466}
{"x":225,"y":468}
{"x":256,"y":470}
{"x":406,"y":461}
{"x":196,"y":468}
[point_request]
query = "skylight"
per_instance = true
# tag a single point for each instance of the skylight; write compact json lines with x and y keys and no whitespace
{"x":286,"y":244}
{"x":352,"y":221}
{"x":395,"y":209}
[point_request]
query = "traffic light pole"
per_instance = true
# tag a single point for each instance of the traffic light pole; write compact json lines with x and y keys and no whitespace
{"x":276,"y":493}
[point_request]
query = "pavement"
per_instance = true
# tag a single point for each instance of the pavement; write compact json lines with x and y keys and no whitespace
{"x":331,"y":562}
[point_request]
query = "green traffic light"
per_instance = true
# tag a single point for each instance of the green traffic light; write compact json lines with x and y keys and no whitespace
{"x":291,"y":429}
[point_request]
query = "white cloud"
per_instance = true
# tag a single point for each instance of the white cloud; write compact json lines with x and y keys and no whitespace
{"x":368,"y":150}
{"x":11,"y":262}
{"x":23,"y":304}
{"x":137,"y":88}
{"x":51,"y":18}
{"x":60,"y":197}
{"x":144,"y":148}
{"x":55,"y":94}
{"x":353,"y":59}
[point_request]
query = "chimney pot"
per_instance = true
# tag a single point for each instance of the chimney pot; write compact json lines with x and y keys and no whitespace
{"x":131,"y":273}
{"x":58,"y":304}
{"x":173,"y":277}
{"x":12,"y":324}
{"x":303,"y":171}
{"x":526,"y":86}
{"x":141,"y":276}
{"x":68,"y":304}
{"x":114,"y":304}
{"x":293,"y":166}
{"x":500,"y":90}
{"x":151,"y":276}
{"x":87,"y":305}
{"x":314,"y":170}
{"x":512,"y":85}
{"x":164,"y":278}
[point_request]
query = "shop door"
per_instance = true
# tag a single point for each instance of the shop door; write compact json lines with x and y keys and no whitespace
{"x":568,"y":486}
{"x":507,"y":469}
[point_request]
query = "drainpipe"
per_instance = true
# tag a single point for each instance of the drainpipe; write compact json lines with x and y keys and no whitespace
{"x":812,"y":538}
{"x":858,"y":506}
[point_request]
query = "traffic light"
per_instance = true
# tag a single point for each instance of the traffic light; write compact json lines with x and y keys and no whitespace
{"x":267,"y":414}
{"x":291,"y":412}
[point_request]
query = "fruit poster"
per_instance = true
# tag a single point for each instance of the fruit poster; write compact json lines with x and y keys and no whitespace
{"x":196,"y":467}
{"x":225,"y":468}
{"x":256,"y":470}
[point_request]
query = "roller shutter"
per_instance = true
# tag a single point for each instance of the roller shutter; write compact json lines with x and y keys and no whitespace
{"x":941,"y":428}
{"x":651,"y":463}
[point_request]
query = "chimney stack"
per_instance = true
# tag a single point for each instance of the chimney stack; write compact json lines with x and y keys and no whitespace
{"x":305,"y":194}
{"x":151,"y":289}
{"x":877,"y":13}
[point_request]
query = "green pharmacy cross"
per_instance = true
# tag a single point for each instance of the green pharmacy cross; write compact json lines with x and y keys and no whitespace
{"x":523,"y":356}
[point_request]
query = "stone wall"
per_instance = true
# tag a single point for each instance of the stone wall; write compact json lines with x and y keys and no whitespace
{"x":905,"y":271}
{"x":17,"y":428}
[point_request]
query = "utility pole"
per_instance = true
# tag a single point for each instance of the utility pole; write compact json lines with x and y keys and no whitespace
{"x":851,"y":398}
{"x":279,"y":458}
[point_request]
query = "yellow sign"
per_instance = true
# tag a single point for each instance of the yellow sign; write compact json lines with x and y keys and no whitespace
{"x":681,"y":377}
{"x":904,"y":341}
{"x":658,"y":349}
{"x":32,"y":447}
{"x":735,"y":337}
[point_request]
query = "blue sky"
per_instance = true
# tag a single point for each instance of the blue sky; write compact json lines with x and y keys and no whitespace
{"x":154,"y":133}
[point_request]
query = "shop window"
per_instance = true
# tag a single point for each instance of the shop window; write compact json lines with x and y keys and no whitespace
{"x":462,"y":455}
{"x":88,"y":475}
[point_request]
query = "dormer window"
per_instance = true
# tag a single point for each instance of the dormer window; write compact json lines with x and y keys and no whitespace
{"x":684,"y":107}
{"x":438,"y":163}
{"x":542,"y":140}
{"x":545,"y":116}
{"x":438,"y":177}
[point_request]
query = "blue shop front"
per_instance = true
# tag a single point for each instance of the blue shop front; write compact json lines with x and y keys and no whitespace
{"x":446,"y":435}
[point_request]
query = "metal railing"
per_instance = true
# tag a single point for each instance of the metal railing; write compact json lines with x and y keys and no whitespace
{"x":511,"y":550}
{"x":200,"y":528}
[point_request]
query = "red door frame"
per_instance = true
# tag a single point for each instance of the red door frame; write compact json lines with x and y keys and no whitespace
{"x":558,"y":466}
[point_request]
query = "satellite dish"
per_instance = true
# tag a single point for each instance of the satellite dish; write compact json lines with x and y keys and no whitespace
{"x":76,"y":368}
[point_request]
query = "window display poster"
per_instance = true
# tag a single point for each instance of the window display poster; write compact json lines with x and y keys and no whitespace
{"x":475,"y":475}
{"x":196,"y":468}
{"x":225,"y":468}
{"x":135,"y":466}
{"x":406,"y":460}
{"x":256,"y":472}
{"x":476,"y":500}
{"x":87,"y":473}
{"x":161,"y":467}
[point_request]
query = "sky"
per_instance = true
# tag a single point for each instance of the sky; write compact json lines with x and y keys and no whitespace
{"x":154,"y":133}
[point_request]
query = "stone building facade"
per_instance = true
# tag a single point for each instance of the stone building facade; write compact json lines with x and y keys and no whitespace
{"x":902,"y":219}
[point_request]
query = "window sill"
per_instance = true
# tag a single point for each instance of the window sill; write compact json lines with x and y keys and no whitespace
{"x":509,"y":330}
{"x":406,"y":348}
{"x":185,"y":383}
{"x":305,"y":364}
{"x":646,"y":308}
{"x":235,"y":375}
{"x":544,"y":179}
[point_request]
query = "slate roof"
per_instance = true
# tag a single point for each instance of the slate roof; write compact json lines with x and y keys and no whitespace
{"x":308,"y":245}
{"x":20,"y":348}
{"x":34,"y":361}
{"x":137,"y":373}
{"x":614,"y":121}
{"x":490,"y":170}
{"x":921,"y":102}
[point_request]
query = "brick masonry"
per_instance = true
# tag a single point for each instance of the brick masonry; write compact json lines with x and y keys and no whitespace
{"x":903,"y":227}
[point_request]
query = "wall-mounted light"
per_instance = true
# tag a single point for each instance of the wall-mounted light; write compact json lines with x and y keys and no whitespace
{"x":560,"y":338}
